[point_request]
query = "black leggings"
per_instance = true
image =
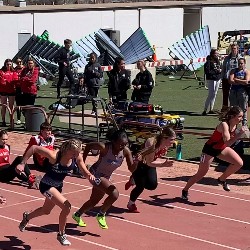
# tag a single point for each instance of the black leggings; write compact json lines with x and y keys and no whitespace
{"x":145,"y":178}
{"x":93,"y":91}
{"x":8,"y":171}
{"x":63,"y":70}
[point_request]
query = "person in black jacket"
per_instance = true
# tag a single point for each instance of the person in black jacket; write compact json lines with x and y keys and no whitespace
{"x":212,"y":70}
{"x":63,"y":59}
{"x":142,"y":84}
{"x":93,"y":76}
{"x":119,"y":82}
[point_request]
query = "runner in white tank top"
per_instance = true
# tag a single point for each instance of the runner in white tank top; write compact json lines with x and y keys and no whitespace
{"x":111,"y":158}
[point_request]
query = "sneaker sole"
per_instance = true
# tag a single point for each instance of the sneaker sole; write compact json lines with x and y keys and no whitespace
{"x":102,"y":226}
{"x":84,"y":225}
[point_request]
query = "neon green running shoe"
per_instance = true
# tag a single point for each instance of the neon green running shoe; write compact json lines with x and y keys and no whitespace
{"x":79,"y":220}
{"x":102,"y":221}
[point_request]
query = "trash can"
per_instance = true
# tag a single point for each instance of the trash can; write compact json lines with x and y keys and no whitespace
{"x":34,"y":117}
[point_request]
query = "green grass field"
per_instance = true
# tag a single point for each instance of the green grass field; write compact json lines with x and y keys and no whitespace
{"x":183,"y":97}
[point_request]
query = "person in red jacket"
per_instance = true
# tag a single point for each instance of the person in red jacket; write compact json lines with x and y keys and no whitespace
{"x":8,"y":171}
{"x":7,"y":88}
{"x":45,"y":139}
{"x":18,"y":69}
{"x":28,"y":80}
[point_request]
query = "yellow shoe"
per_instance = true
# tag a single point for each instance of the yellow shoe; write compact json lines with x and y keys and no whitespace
{"x":101,"y":221}
{"x":79,"y":220}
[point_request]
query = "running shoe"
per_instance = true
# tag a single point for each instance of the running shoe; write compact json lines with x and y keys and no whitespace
{"x":132,"y":208}
{"x":62,"y":238}
{"x":184,"y":195}
{"x":101,"y":221}
{"x":79,"y":220}
{"x":24,"y":222}
{"x":224,"y":185}
{"x":130,"y":183}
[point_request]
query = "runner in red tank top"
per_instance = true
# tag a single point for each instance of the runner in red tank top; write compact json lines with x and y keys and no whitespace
{"x":219,"y":146}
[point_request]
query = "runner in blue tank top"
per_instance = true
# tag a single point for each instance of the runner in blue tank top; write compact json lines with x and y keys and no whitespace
{"x":111,"y":158}
{"x":62,"y":161}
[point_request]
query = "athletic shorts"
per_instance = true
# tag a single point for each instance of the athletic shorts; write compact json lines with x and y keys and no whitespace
{"x":209,"y":150}
{"x":44,"y":188}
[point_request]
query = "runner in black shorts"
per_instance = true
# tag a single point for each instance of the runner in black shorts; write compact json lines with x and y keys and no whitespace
{"x":63,"y":161}
{"x":219,"y":146}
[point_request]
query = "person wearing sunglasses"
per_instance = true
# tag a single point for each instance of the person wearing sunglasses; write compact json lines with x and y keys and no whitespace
{"x":28,"y":80}
{"x":8,"y":77}
{"x":18,"y":69}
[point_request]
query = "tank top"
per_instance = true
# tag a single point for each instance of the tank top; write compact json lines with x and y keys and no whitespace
{"x":216,"y":140}
{"x":4,"y":155}
{"x":160,"y":153}
{"x":240,"y":74}
{"x":57,"y":173}
{"x":107,"y":164}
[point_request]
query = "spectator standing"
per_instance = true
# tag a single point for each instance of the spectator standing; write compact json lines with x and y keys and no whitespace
{"x":93,"y":78}
{"x":18,"y":69}
{"x":119,"y":81}
{"x":239,"y":78}
{"x":63,"y":59}
{"x":28,"y":80}
{"x":143,"y":84}
{"x":8,"y":77}
{"x":230,"y":62}
{"x":213,"y":74}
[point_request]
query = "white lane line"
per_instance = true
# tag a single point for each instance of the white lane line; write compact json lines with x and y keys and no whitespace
{"x":194,"y":211}
{"x":178,"y":234}
{"x":76,"y":191}
{"x":82,"y":185}
{"x":196,"y":190}
{"x":205,"y":192}
{"x":19,"y":203}
{"x":69,"y":236}
{"x":147,"y":226}
{"x":37,"y":199}
{"x":191,"y":210}
{"x":155,"y":202}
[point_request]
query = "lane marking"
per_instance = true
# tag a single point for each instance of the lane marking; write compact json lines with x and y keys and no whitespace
{"x":197,"y":190}
{"x":178,"y":234}
{"x":19,"y":203}
{"x":147,"y":226}
{"x":69,"y":236}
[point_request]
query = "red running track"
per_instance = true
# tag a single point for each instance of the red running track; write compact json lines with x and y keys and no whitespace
{"x":213,"y":219}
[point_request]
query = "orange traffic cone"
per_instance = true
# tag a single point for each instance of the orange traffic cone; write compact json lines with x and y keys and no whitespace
{"x":154,"y":55}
